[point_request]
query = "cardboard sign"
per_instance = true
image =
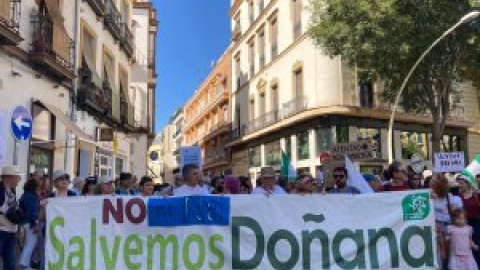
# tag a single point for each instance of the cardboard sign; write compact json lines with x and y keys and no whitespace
{"x":191,"y":155}
{"x":356,"y":151}
{"x":449,"y":162}
{"x":417,"y":163}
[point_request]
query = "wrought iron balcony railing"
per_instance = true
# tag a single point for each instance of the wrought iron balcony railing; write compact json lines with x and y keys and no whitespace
{"x":10,"y":22}
{"x":113,"y":19}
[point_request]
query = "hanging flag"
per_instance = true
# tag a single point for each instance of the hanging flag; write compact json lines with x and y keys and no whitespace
{"x":355,"y":178}
{"x":287,"y":168}
{"x":472,"y":170}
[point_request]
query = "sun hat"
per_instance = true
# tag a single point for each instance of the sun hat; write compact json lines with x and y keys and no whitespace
{"x":11,"y":171}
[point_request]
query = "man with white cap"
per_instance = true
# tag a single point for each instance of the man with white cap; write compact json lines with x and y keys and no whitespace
{"x":106,"y":185}
{"x":268,"y":187}
{"x":10,"y":179}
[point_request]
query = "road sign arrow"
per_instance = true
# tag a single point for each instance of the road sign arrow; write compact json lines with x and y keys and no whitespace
{"x":20,"y":123}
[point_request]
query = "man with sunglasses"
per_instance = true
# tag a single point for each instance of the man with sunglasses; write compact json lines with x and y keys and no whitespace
{"x":340,"y":175}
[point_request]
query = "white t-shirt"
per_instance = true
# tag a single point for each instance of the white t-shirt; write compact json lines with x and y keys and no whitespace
{"x":188,"y":191}
{"x":277,"y":190}
{"x":441,"y":210}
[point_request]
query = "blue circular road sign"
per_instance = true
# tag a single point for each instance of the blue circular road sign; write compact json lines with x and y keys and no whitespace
{"x":21,"y":123}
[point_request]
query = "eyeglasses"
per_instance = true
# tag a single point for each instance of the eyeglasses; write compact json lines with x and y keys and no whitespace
{"x":339,"y":176}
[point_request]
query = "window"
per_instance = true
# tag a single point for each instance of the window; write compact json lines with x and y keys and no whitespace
{"x":88,"y":49}
{"x":254,"y":156}
{"x":119,"y":166}
{"x":288,"y":147}
{"x":237,"y":70}
{"x":343,"y":134}
{"x":252,"y":109}
{"x":261,"y":47}
{"x":251,"y":57}
{"x":298,"y":83}
{"x":237,"y":116}
{"x":303,"y":149}
{"x":372,"y":135}
{"x":250,"y":11}
{"x":297,"y":18}
{"x":413,"y":142}
{"x":274,"y":101}
{"x":262,"y":104}
{"x":109,"y":69}
{"x":274,"y":38}
{"x":237,"y":22}
{"x":261,"y":6}
{"x":324,"y":139}
{"x":451,"y":143}
{"x":366,"y":93}
{"x":225,"y":113}
{"x":273,"y":153}
{"x":124,"y":8}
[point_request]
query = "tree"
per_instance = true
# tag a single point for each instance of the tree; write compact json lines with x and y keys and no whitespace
{"x":384,"y":38}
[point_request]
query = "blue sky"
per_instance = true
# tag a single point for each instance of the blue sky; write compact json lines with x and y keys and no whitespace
{"x":191,"y":34}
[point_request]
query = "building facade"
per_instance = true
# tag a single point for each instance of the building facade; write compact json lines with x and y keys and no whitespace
{"x":36,"y":71}
{"x":289,"y":96}
{"x":70,"y":64}
{"x":144,"y":81}
{"x":207,"y":118}
{"x":178,"y":140}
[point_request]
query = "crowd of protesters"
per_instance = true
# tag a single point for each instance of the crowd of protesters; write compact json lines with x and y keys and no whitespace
{"x":456,"y":203}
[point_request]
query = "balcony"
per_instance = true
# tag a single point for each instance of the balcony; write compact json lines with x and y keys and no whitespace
{"x":98,"y":6}
{"x":123,"y":112}
{"x":237,"y":33}
{"x":113,"y":19}
{"x":294,"y":106}
{"x":238,"y":133}
{"x":9,"y":22}
{"x":126,"y":41}
{"x":91,"y":95}
{"x":52,"y":48}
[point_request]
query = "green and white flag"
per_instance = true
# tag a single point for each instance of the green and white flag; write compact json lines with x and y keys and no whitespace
{"x":287,"y":168}
{"x":472,"y":170}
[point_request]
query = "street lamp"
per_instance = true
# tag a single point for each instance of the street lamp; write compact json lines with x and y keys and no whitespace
{"x":468,"y":17}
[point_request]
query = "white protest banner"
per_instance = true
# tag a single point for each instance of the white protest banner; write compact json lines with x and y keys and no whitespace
{"x":373,"y":231}
{"x":191,"y":155}
{"x":3,"y":137}
{"x":449,"y":162}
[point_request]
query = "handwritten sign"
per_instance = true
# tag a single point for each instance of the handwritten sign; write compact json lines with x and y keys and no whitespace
{"x":449,"y":162}
{"x":355,"y":151}
{"x":188,"y":211}
{"x":191,"y":155}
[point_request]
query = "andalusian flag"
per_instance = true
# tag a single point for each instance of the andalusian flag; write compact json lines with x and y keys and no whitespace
{"x":287,"y":168}
{"x":472,"y":170}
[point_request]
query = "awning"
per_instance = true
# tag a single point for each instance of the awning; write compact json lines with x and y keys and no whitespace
{"x":69,"y":124}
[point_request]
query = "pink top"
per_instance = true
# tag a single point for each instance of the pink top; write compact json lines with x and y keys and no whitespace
{"x":460,"y":240}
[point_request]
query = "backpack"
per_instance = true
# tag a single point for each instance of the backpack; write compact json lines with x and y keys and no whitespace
{"x":14,"y":213}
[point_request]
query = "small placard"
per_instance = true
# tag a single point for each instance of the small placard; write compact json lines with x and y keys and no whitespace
{"x":189,"y":211}
{"x":449,"y":162}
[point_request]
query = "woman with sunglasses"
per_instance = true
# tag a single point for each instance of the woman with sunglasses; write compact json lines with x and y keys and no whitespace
{"x":398,"y":178}
{"x":305,"y":185}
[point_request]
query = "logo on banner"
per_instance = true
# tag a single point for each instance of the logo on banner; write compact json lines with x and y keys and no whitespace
{"x":416,"y":206}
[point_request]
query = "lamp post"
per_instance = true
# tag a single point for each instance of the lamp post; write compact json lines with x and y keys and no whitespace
{"x":468,"y":17}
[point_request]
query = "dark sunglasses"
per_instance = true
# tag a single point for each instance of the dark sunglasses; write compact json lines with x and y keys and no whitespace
{"x":340,"y":176}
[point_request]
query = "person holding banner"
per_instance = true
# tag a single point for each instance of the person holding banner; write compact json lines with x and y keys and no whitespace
{"x":106,"y":186}
{"x":398,"y":178}
{"x":146,"y":186}
{"x":304,"y":185}
{"x":268,"y":186}
{"x":61,"y":182}
{"x":471,"y":204}
{"x":192,"y":178}
{"x":340,"y":175}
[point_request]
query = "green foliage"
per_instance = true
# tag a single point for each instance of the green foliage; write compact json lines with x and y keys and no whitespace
{"x":384,"y":38}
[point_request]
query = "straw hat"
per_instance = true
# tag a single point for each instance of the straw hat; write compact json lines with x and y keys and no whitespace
{"x":11,"y":171}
